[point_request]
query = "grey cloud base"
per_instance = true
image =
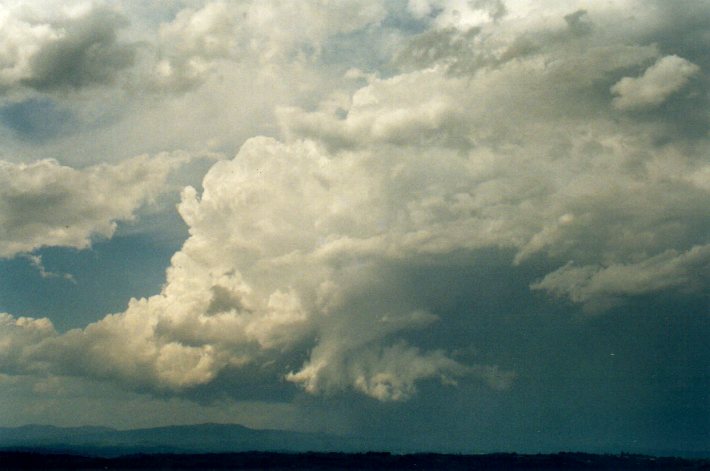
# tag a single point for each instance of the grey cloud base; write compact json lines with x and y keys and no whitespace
{"x":78,"y":50}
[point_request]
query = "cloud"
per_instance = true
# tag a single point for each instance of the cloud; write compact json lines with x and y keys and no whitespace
{"x":597,"y":286}
{"x":36,"y":262}
{"x":22,"y":40}
{"x":287,"y":271}
{"x":459,"y":14}
{"x":667,"y":76}
{"x":17,"y":338}
{"x":70,"y":52}
{"x":351,"y":354}
{"x":193,"y":42}
{"x":245,"y":290}
{"x":86,"y":52}
{"x":47,"y":204}
{"x":262,"y":34}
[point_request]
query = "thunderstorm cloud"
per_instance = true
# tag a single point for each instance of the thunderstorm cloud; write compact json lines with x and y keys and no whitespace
{"x":344,"y":191}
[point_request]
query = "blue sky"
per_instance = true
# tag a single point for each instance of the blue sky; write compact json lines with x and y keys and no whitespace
{"x":480,"y":222}
{"x":127,"y":265}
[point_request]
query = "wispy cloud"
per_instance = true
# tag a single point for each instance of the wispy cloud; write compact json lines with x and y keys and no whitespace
{"x":36,"y":262}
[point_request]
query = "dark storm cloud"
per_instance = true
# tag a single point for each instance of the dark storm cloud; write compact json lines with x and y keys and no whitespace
{"x":88,"y":52}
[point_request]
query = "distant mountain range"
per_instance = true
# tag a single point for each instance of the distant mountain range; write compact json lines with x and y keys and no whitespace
{"x":209,"y":438}
{"x":204,"y":438}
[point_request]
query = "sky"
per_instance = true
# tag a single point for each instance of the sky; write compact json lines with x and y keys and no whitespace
{"x":452,"y":225}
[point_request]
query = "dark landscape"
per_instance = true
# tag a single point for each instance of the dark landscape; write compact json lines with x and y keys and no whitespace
{"x":352,"y":461}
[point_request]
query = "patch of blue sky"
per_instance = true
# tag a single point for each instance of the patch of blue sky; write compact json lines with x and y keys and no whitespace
{"x":37,"y":119}
{"x":372,"y":48}
{"x":367,"y":50}
{"x":106,"y":276}
{"x":398,"y":17}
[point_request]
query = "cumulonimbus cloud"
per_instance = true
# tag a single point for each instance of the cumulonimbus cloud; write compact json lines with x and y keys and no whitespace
{"x":290,"y":240}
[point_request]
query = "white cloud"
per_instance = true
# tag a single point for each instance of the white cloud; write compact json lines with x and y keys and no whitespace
{"x":387,"y":374}
{"x":667,"y":76}
{"x":21,"y":41}
{"x":36,"y":262}
{"x":193,"y":42}
{"x":258,"y":35}
{"x":597,"y":286}
{"x":388,"y":111}
{"x":47,"y":204}
{"x":458,"y":13}
{"x":18,"y":336}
